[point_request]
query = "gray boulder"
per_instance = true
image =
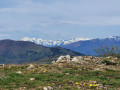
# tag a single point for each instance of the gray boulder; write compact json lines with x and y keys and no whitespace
{"x":64,"y":58}
{"x":78,"y":59}
{"x":47,"y":88}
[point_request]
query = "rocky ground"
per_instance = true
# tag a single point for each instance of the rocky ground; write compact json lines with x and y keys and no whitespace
{"x":67,"y":73}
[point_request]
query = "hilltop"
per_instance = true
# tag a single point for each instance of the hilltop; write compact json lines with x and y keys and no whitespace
{"x":67,"y":73}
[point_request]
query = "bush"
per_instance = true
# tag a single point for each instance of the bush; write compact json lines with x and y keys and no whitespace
{"x":108,"y":51}
{"x":108,"y":62}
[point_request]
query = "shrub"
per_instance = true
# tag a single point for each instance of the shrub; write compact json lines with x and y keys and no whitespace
{"x":108,"y":62}
{"x":108,"y":51}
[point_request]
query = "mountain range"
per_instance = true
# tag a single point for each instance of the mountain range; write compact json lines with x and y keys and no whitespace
{"x":29,"y":51}
{"x":85,"y":46}
{"x":24,"y":51}
{"x":51,"y":43}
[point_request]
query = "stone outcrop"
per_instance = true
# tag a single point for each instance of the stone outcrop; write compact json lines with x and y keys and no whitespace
{"x":100,"y":62}
{"x":77,"y":59}
{"x":64,"y":59}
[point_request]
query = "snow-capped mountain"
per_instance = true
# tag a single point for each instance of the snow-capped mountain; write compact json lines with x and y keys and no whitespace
{"x":114,"y":38}
{"x":88,"y":47}
{"x":85,"y":46}
{"x":52,"y":42}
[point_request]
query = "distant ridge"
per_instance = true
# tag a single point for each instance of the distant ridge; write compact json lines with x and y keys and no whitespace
{"x":24,"y":51}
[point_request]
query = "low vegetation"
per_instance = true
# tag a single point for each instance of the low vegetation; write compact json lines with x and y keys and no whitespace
{"x":94,"y":73}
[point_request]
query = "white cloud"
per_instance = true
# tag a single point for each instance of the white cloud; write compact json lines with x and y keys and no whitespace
{"x":46,"y":15}
{"x":77,"y":12}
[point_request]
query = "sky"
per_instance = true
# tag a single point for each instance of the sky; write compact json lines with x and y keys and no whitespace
{"x":59,"y":19}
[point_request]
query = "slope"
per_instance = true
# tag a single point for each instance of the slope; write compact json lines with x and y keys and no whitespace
{"x":24,"y":51}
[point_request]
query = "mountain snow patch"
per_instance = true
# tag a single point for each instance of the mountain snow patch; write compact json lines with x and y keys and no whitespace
{"x":52,"y":42}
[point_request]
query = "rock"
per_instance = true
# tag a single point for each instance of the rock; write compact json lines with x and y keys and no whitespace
{"x":31,"y":66}
{"x":98,"y":69}
{"x":81,"y":57}
{"x":19,"y":72}
{"x":115,"y":58}
{"x":88,"y":57}
{"x":64,"y":58}
{"x":32,"y":79}
{"x":109,"y":57}
{"x":2,"y":65}
{"x":100,"y":86}
{"x":77,"y":60}
{"x":68,"y":57}
{"x":53,"y":62}
{"x":67,"y":73}
{"x":47,"y":88}
{"x":22,"y":88}
{"x":9,"y":67}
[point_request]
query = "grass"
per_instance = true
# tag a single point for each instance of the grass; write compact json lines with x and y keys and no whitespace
{"x":71,"y":77}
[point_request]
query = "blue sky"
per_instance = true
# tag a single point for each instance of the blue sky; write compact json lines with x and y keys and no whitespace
{"x":59,"y":19}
